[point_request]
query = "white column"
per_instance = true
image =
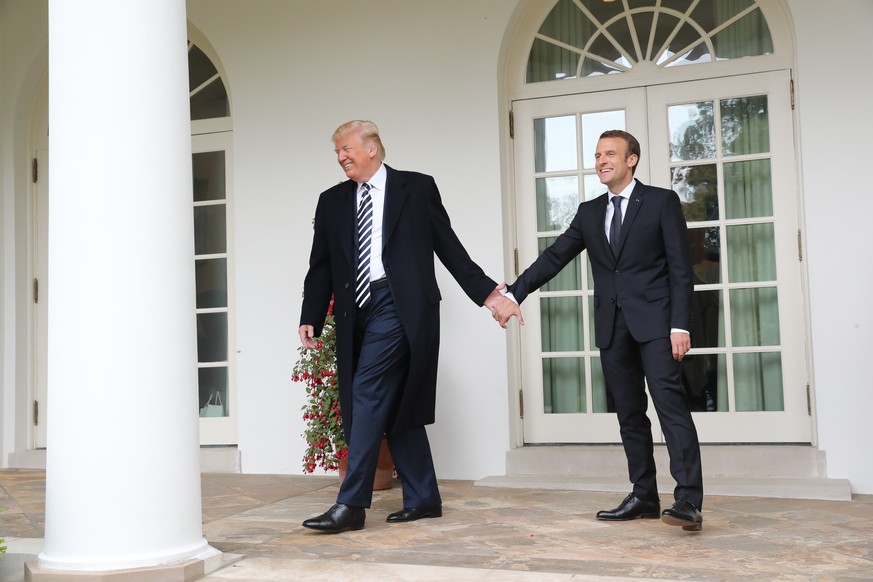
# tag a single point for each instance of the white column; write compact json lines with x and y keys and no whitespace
{"x":122,"y":480}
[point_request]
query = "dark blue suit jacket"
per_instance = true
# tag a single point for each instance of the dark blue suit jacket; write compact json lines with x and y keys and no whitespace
{"x":651,"y":277}
{"x":415,"y":226}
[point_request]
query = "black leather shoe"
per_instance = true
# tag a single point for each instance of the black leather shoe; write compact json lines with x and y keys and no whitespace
{"x":683,"y":513}
{"x":632,"y":508}
{"x":413,"y":513}
{"x":338,"y":518}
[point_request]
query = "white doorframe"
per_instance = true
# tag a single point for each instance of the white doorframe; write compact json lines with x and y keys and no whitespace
{"x":38,"y":272}
{"x":221,"y":430}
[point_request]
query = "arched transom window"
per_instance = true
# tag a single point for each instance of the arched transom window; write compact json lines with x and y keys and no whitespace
{"x":206,"y":89}
{"x":583,"y":38}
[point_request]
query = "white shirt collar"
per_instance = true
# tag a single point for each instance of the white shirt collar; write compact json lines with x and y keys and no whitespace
{"x":627,"y":190}
{"x":378,"y":179}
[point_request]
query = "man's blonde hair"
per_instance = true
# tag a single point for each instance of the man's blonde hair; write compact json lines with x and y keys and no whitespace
{"x":366,"y":129}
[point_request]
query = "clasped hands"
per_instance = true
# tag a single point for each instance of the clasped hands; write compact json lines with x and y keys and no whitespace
{"x":502,"y":307}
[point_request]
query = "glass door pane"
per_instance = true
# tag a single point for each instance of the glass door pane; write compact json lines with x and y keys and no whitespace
{"x":212,"y":264}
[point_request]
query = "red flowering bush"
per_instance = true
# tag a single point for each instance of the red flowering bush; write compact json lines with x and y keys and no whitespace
{"x":316,"y":368}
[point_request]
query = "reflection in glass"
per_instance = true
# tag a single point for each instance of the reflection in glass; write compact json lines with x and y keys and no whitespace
{"x":563,"y":385}
{"x":687,"y":36}
{"x":751,"y":253}
{"x":604,"y":48}
{"x":705,"y":255}
{"x":745,"y":125}
{"x":592,"y":336}
{"x":604,"y":11}
{"x":692,"y":131}
{"x":548,"y":62}
{"x":211,"y":282}
{"x":212,"y":337}
{"x":593,"y":68}
{"x":567,"y":24}
{"x":213,"y":390}
{"x":748,"y":190}
{"x":697,"y":187}
{"x":555,"y":143}
{"x":664,"y":27}
{"x":709,"y":32}
{"x":211,"y":101}
{"x":600,"y":400}
{"x":707,"y":319}
{"x":747,"y":37}
{"x":561,"y":324}
{"x":557,"y":202}
{"x":570,"y":277}
{"x":594,"y":124}
{"x":593,"y":186}
{"x":704,"y":378}
{"x":210,"y":229}
{"x":712,"y":14}
{"x":200,"y":68}
{"x":643,"y":26}
{"x":209,"y":176}
{"x":699,"y":53}
{"x":758,"y":382}
{"x":680,"y":6}
{"x":755,"y":317}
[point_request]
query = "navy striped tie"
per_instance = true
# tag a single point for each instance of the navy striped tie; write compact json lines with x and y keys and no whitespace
{"x":365,"y":231}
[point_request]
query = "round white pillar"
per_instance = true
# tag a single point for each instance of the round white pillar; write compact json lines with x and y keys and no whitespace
{"x":122,"y":473}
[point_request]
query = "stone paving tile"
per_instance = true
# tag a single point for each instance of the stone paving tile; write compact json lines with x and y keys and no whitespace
{"x":546,"y":534}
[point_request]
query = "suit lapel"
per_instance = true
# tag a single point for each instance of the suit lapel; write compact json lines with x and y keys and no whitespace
{"x":347,"y":222}
{"x":630,"y":214}
{"x":396,"y":194}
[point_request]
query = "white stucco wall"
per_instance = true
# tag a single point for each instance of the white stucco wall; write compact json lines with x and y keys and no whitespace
{"x":834,"y":84}
{"x":296,"y":70}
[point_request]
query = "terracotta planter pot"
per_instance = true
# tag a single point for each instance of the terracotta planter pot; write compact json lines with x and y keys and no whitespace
{"x":384,"y":469}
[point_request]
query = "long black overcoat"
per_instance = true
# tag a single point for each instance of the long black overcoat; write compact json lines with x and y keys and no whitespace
{"x":415,"y":227}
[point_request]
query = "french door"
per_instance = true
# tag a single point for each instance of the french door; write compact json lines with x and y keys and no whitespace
{"x":211,"y":167}
{"x":726,"y":147}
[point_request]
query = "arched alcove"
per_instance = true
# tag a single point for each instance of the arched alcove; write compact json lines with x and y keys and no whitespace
{"x":706,"y":88}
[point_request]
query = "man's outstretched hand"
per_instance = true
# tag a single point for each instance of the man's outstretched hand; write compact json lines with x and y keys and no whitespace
{"x":502,"y":307}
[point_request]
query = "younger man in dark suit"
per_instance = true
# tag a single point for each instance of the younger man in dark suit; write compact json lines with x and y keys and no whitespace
{"x":637,"y":243}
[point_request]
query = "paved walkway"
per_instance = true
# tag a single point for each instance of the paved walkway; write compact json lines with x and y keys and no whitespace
{"x":491,"y":534}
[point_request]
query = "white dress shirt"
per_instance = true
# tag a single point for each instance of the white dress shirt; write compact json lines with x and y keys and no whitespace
{"x":377,"y":194}
{"x":610,"y":208}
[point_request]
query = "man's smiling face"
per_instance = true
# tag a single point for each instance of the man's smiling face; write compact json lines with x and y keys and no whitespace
{"x":358,"y":160}
{"x":614,"y":166}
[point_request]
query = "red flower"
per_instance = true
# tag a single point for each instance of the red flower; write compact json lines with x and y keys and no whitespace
{"x":316,"y":369}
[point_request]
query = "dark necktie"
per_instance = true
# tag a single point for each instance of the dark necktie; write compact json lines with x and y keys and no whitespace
{"x":615,"y":225}
{"x":365,"y":231}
